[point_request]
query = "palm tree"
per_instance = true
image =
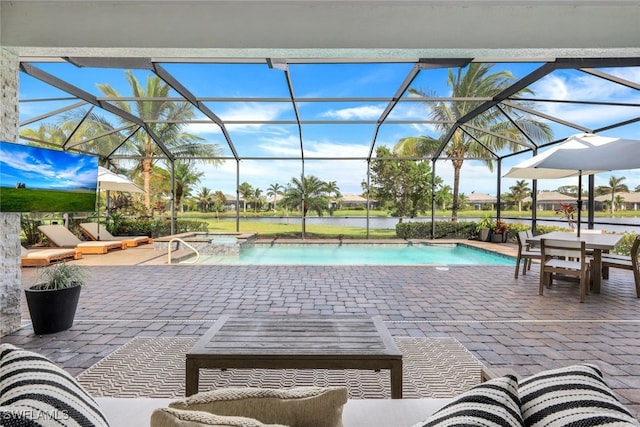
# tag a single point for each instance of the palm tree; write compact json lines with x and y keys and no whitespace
{"x":619,"y":201}
{"x":256,"y":197}
{"x":443,"y":197}
{"x":309,"y":193}
{"x":164,"y":118}
{"x":219,"y":200}
{"x":332,"y":189}
{"x":615,"y":184}
{"x":246,"y":191}
{"x":519,"y":191}
{"x":204,"y":199}
{"x":273,"y":191}
{"x":186,"y":176}
{"x":474,"y":82}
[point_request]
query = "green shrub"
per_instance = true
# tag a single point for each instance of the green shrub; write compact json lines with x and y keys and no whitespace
{"x":624,"y":247}
{"x":158,"y":227}
{"x":443,"y":230}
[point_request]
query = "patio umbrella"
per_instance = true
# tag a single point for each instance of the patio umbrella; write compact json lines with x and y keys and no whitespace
{"x":110,"y":181}
{"x":578,"y":155}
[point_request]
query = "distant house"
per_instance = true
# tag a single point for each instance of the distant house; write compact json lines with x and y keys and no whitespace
{"x":353,"y":201}
{"x":230,"y":203}
{"x":550,"y":200}
{"x":631,"y":201}
{"x":480,"y":200}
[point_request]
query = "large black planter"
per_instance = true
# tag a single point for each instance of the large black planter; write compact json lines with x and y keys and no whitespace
{"x":52,"y":310}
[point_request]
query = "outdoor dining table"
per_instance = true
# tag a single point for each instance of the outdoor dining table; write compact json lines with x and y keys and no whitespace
{"x":594,"y":241}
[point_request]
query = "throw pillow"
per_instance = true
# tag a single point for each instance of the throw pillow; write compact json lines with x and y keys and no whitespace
{"x":168,"y":417}
{"x":492,"y":403}
{"x":298,"y":406}
{"x":35,"y":392}
{"x":574,"y":395}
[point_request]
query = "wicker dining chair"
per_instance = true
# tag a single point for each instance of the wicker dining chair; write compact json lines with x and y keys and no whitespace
{"x":626,"y":262}
{"x":525,"y":253}
{"x":565,"y":257}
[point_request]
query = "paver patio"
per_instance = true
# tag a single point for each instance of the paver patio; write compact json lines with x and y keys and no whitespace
{"x":501,"y":320}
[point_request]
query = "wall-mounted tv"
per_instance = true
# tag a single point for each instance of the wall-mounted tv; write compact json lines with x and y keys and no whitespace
{"x":35,"y":179}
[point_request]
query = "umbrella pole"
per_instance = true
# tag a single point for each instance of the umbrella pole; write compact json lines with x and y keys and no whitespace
{"x":579,"y":203}
{"x":98,"y":212}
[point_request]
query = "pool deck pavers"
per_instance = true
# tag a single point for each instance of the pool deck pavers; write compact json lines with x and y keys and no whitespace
{"x":501,"y":320}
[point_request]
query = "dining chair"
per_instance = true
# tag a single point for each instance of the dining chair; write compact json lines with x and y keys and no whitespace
{"x":626,"y":262}
{"x":565,"y":257}
{"x":525,"y":253}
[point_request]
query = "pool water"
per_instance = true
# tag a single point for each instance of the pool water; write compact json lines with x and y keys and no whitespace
{"x":365,"y":254}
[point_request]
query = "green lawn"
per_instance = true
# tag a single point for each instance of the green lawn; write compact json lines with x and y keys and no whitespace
{"x":266,"y":229}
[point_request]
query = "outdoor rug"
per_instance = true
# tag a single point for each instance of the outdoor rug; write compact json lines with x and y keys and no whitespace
{"x":155,"y":367}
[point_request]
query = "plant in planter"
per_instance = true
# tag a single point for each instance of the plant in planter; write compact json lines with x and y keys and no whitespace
{"x":53,"y":301}
{"x":500,"y":232}
{"x":567,"y":210}
{"x":484,"y":227}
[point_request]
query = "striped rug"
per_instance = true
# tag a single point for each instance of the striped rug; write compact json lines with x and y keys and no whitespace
{"x":154,"y":367}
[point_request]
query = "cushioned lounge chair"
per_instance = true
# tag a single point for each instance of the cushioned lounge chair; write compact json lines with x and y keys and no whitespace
{"x":43,"y":257}
{"x":95,"y":231}
{"x":59,"y":236}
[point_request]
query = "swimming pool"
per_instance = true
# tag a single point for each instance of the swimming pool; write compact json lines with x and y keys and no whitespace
{"x":361,"y":254}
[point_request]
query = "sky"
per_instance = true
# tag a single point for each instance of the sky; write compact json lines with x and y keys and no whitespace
{"x":347,"y":139}
{"x":46,"y":169}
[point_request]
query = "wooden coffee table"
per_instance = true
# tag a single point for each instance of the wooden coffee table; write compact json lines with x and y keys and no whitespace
{"x":296,"y":342}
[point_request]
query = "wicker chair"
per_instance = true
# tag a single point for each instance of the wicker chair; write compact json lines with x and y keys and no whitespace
{"x":525,"y":253}
{"x":568,"y":258}
{"x":626,"y":262}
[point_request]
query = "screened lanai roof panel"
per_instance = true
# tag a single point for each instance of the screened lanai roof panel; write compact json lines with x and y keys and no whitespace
{"x":348,"y":175}
{"x":266,"y":140}
{"x":582,"y":85}
{"x":346,"y":111}
{"x":337,"y":140}
{"x":89,"y":79}
{"x":347,"y":80}
{"x":252,"y":112}
{"x":228,"y":80}
{"x":583,"y":117}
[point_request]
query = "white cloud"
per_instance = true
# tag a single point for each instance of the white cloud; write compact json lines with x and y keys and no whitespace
{"x":584,"y":87}
{"x":247,"y":111}
{"x":370,"y":112}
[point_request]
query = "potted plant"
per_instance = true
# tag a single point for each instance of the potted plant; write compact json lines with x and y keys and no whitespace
{"x":53,"y":301}
{"x":567,"y":210}
{"x":500,"y":232}
{"x":484,"y":227}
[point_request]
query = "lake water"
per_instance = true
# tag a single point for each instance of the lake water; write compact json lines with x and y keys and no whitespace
{"x":617,"y":225}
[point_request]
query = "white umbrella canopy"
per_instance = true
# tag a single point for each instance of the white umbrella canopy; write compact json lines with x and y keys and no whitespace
{"x":582,"y":154}
{"x":578,"y":155}
{"x":108,"y":180}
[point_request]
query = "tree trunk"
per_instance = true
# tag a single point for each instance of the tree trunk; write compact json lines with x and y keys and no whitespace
{"x":147,"y":164}
{"x":457,"y":165}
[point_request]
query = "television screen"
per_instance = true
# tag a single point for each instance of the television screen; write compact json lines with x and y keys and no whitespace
{"x":35,"y":179}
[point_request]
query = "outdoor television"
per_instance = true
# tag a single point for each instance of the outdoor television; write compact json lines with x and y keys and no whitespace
{"x":35,"y":179}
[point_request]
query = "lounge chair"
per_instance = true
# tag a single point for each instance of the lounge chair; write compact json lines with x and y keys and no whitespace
{"x":61,"y":237}
{"x":95,"y":231}
{"x":43,"y":257}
